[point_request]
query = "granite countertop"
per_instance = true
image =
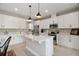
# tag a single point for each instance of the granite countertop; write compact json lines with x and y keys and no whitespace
{"x":38,"y":38}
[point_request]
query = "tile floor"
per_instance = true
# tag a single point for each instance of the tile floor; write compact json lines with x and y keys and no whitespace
{"x":20,"y":50}
{"x":63,"y":51}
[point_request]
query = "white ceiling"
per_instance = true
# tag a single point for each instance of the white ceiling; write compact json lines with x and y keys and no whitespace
{"x":23,"y":9}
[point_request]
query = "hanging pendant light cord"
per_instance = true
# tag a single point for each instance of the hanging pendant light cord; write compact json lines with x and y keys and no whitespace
{"x":38,"y":14}
{"x":38,"y":7}
{"x":30,"y":10}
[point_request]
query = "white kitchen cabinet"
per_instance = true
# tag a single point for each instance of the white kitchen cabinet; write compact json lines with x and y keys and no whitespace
{"x":61,"y":23}
{"x":1,"y":21}
{"x":49,"y":21}
{"x":70,"y":41}
{"x":12,"y":22}
{"x":70,"y":20}
{"x":21,"y":23}
{"x":53,"y":20}
{"x":41,"y":26}
{"x":16,"y":39}
{"x":74,"y":42}
{"x":63,"y":40}
{"x":44,"y":24}
{"x":40,"y":23}
{"x":37,"y":22}
{"x":67,"y":21}
{"x":74,"y":20}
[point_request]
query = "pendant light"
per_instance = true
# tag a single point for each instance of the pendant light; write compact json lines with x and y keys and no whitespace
{"x":30,"y":13}
{"x":38,"y":15}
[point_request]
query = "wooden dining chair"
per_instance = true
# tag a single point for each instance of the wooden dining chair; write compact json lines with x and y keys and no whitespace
{"x":4,"y":47}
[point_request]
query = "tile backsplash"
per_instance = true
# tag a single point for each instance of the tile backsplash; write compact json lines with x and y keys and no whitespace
{"x":65,"y":31}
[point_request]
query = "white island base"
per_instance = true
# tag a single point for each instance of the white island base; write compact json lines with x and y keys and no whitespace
{"x":40,"y":45}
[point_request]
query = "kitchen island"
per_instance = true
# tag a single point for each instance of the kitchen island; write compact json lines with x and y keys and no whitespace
{"x":39,"y":45}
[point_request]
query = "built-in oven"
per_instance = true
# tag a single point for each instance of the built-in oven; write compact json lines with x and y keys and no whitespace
{"x":74,"y":32}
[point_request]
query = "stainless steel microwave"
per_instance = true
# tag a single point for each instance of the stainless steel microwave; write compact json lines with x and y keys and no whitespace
{"x":53,"y":25}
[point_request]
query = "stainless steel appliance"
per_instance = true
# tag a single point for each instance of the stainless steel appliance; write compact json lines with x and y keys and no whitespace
{"x":53,"y":25}
{"x":74,"y":32}
{"x":36,"y":30}
{"x":53,"y":31}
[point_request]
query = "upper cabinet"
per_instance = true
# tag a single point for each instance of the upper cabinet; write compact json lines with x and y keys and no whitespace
{"x":60,"y":21}
{"x":74,"y":20}
{"x":2,"y":18}
{"x":12,"y":22}
{"x":70,"y":20}
{"x":37,"y":22}
{"x":44,"y":24}
{"x":41,"y":25}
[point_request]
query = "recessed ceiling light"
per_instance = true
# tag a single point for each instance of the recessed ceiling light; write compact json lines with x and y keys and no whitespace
{"x":16,"y":9}
{"x":46,"y":11}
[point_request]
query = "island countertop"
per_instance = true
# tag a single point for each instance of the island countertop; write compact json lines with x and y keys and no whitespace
{"x":38,"y":38}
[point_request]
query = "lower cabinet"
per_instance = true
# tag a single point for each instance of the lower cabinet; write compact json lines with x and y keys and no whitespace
{"x":75,"y":42}
{"x":63,"y":40}
{"x":16,"y":40}
{"x":70,"y":41}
